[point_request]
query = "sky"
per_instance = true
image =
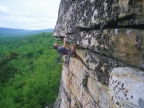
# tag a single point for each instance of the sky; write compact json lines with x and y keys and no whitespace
{"x":29,"y":14}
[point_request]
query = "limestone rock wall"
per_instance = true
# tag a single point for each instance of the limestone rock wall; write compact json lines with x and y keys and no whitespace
{"x":111,"y":34}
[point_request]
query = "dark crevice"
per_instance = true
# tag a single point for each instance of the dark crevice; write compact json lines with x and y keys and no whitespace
{"x":113,"y":24}
{"x":84,"y":82}
{"x":140,"y":26}
{"x":72,"y":33}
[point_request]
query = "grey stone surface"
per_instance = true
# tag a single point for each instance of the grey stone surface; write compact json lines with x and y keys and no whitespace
{"x":126,"y":87}
{"x":111,"y":35}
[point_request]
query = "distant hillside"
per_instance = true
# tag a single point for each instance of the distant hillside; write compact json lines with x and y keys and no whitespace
{"x":9,"y":32}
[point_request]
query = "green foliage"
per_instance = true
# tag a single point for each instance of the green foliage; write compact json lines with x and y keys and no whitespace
{"x":6,"y":70}
{"x":35,"y":81}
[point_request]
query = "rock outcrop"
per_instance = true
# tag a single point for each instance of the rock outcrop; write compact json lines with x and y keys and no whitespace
{"x":111,"y":34}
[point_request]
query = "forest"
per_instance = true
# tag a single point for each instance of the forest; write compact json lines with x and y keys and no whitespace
{"x":29,"y":78}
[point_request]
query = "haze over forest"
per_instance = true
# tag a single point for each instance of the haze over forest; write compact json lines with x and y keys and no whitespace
{"x":4,"y":32}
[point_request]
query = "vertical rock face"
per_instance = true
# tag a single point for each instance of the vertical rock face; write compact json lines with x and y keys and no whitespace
{"x":111,"y":34}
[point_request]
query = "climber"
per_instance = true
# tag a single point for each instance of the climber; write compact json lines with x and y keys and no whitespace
{"x":69,"y":52}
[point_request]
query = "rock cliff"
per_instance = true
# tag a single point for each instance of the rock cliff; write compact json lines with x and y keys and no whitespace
{"x":111,"y":35}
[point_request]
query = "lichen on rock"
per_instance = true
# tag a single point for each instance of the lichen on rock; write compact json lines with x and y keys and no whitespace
{"x":110,"y":34}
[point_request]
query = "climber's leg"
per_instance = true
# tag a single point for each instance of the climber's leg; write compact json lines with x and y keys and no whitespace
{"x":74,"y":54}
{"x":73,"y":49}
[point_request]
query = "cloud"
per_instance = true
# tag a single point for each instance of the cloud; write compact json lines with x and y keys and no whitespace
{"x":4,"y":10}
{"x":29,"y":14}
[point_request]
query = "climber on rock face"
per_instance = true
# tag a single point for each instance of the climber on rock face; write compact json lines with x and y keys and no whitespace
{"x":67,"y":51}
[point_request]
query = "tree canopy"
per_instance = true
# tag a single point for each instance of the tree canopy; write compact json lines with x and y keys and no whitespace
{"x":28,"y":76}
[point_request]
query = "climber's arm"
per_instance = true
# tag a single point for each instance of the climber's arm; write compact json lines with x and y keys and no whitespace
{"x":64,"y":43}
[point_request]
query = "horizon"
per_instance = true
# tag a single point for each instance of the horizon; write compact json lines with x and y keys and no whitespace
{"x":25,"y":29}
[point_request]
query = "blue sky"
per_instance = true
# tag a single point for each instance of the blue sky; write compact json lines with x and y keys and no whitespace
{"x":29,"y":14}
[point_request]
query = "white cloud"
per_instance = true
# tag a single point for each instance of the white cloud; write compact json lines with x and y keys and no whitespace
{"x":29,"y":14}
{"x":4,"y":9}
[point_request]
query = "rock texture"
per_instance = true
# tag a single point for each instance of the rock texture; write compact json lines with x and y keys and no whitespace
{"x":111,"y":34}
{"x":126,"y":88}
